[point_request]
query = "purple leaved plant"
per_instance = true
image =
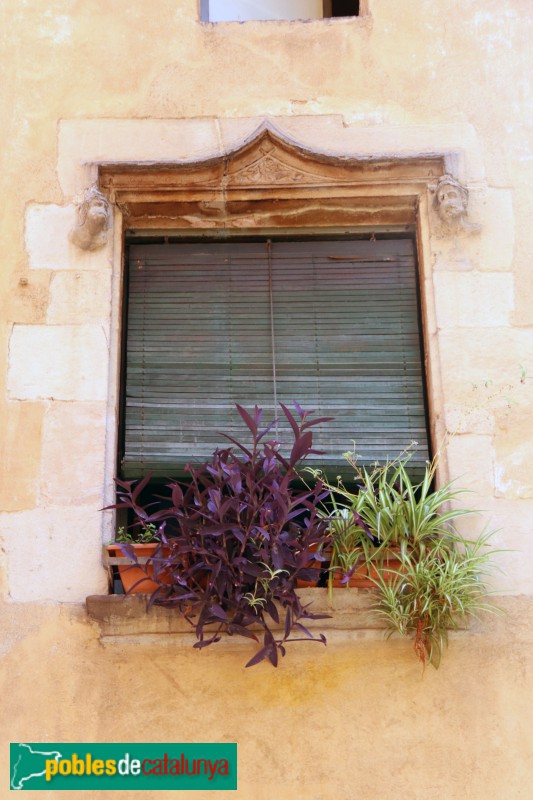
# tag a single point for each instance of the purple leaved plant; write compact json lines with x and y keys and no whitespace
{"x":236,"y":535}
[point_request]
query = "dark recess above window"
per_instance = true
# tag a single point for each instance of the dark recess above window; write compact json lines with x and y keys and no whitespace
{"x":343,"y":8}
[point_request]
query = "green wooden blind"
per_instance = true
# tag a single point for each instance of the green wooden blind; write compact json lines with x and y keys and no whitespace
{"x":333,"y":325}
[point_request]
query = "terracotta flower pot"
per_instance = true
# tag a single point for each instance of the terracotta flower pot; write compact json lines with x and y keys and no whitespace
{"x":131,"y":575}
{"x":387,"y":566}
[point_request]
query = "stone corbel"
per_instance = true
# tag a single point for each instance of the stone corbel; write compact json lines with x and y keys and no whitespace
{"x":451,"y":207}
{"x":93,"y":221}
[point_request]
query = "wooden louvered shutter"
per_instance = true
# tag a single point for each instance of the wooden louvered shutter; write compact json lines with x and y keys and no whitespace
{"x":331,"y":324}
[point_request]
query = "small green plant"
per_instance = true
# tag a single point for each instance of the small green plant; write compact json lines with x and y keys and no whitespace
{"x":351,"y":542}
{"x":263,"y":584}
{"x":148,"y":533}
{"x":435,"y":591}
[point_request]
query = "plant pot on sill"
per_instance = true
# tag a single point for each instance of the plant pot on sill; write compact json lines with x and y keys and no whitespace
{"x":366,"y":574}
{"x":137,"y":578}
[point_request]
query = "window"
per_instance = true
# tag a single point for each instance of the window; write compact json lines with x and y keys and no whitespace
{"x":247,"y":10}
{"x":332,"y":324}
{"x":356,"y":336}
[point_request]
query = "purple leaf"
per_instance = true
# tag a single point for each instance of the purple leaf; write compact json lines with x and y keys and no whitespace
{"x":292,"y":421}
{"x":288,"y":625}
{"x":301,"y":447}
{"x":272,"y":653}
{"x":259,"y":656}
{"x":299,"y":409}
{"x":240,"y":630}
{"x":239,"y":445}
{"x":271,"y":608}
{"x":304,"y":629}
{"x":362,"y":524}
{"x":239,"y":510}
{"x":317,"y":421}
{"x":206,"y":642}
{"x":217,"y":611}
{"x":266,"y":430}
{"x":249,"y":421}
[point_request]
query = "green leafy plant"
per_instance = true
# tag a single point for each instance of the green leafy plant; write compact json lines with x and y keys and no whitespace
{"x":145,"y":534}
{"x":351,"y":543}
{"x":386,"y":512}
{"x":435,"y":591}
{"x":396,"y":510}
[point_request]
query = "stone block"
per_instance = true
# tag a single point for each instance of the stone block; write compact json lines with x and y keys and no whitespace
{"x":467,"y":418}
{"x":470,"y":460}
{"x":66,"y":362}
{"x":79,"y":297}
{"x":339,"y":135}
{"x":20,"y":449}
{"x":119,"y":615}
{"x":493,"y":247}
{"x":48,"y":245}
{"x":473,"y":299}
{"x":514,"y":454}
{"x":54,"y":555}
{"x":512,"y":523}
{"x":73,"y":454}
{"x":484,"y":364}
{"x":28,"y":296}
{"x":82,"y":142}
{"x":3,"y":585}
{"x":523,"y":314}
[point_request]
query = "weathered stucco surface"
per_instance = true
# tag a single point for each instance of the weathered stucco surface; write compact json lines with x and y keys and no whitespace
{"x":100,"y":82}
{"x":354,"y":719}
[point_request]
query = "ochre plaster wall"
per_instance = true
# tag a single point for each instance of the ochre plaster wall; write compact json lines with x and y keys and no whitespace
{"x":356,"y":719}
{"x":97,"y":81}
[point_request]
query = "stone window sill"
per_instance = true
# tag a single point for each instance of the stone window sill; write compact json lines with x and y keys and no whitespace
{"x":123,"y":617}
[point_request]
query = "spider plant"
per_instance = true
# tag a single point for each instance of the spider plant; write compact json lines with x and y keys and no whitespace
{"x":388,"y":512}
{"x":397,"y":511}
{"x":434,"y":592}
{"x":351,"y":542}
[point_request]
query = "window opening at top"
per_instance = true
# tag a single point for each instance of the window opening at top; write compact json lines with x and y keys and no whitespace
{"x":342,"y":8}
{"x":249,"y":10}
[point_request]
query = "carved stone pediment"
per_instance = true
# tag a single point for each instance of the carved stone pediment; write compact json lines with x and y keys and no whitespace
{"x":270,"y":180}
{"x":271,"y":160}
{"x":269,"y":169}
